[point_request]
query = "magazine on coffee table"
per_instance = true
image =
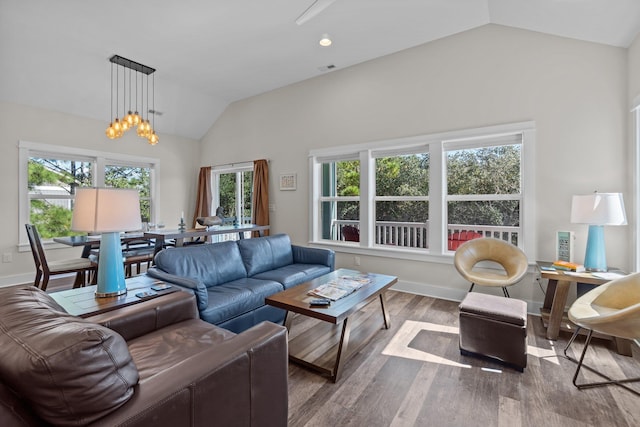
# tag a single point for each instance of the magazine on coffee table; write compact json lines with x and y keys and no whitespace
{"x":340,"y":287}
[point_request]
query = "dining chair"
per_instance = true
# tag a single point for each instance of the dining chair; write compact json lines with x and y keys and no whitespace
{"x":611,"y":309}
{"x":510,"y":258}
{"x":45,"y":269}
{"x":135,"y":253}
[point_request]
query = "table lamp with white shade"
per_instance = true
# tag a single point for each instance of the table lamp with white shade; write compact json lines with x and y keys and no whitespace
{"x":597,"y":210}
{"x":108,"y":211}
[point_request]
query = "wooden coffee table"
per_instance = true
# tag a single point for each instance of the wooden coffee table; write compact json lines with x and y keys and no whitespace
{"x":326,"y":346}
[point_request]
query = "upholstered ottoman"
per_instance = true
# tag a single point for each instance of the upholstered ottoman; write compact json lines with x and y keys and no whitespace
{"x":495,"y":327}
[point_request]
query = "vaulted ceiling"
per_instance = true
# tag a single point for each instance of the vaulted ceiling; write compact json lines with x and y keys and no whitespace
{"x":209,"y":53}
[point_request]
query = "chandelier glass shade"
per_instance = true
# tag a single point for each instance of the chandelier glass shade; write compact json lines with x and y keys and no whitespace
{"x":128,"y":120}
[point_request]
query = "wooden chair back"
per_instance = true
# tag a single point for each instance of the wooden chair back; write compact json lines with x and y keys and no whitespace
{"x":36,"y":247}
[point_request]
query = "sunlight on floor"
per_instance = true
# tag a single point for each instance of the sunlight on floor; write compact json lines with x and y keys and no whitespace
{"x":399,"y":345}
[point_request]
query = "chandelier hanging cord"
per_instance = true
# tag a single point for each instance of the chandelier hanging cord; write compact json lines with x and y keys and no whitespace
{"x":111,"y":94}
{"x":129,"y":120}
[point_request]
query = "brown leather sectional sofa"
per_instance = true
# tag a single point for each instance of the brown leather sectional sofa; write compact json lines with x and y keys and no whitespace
{"x":153,"y":363}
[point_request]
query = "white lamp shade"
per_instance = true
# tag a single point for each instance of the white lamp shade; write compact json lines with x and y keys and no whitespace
{"x":103,"y":210}
{"x":598,"y":209}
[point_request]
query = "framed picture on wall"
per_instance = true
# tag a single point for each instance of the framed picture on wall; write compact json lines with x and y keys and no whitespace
{"x":288,"y":181}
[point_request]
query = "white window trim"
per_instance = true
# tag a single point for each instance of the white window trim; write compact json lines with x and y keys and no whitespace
{"x":435,"y":145}
{"x":99,"y":158}
{"x":236,"y":168}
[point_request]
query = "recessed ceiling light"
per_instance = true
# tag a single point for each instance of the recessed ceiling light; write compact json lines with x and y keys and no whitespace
{"x":325,"y":40}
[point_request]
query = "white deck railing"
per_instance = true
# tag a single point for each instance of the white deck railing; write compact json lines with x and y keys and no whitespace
{"x":416,"y":234}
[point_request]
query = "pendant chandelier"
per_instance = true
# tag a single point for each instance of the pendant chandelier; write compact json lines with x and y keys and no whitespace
{"x":129,"y":120}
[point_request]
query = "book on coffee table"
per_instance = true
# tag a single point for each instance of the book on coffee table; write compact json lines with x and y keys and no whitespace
{"x":340,"y":287}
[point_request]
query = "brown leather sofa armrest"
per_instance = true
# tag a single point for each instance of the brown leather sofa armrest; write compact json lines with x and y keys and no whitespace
{"x":147,"y":316}
{"x":241,"y":381}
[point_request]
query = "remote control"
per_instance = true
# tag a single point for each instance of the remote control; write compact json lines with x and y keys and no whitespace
{"x":146,"y":294}
{"x":320,"y":302}
{"x":160,"y":287}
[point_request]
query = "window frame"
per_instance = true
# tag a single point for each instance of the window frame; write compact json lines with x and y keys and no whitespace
{"x":497,"y":140}
{"x":380,"y":154}
{"x":238,"y":169}
{"x":437,"y":145}
{"x":99,"y":159}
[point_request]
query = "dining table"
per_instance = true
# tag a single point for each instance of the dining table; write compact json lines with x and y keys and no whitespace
{"x":161,"y":236}
{"x":90,"y":242}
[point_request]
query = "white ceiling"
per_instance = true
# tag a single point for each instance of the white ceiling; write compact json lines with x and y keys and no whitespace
{"x":209,"y":53}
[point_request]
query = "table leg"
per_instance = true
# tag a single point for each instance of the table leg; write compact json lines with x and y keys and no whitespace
{"x":288,"y":319}
{"x":385,"y":313}
{"x":158,"y":245}
{"x":86,"y":250}
{"x":557,"y":308}
{"x":623,"y":346}
{"x":342,"y":349}
{"x":549,"y":295}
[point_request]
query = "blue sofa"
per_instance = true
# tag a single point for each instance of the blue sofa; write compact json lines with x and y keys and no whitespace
{"x":232,"y":279}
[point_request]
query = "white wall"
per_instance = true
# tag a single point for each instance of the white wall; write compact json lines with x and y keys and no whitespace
{"x":575,"y":91}
{"x":178,"y":171}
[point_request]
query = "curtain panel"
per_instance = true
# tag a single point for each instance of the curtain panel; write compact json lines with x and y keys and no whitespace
{"x":261,"y":194}
{"x":204,"y":196}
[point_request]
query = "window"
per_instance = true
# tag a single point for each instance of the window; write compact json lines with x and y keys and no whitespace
{"x":51,"y":188}
{"x":50,"y":174}
{"x":340,"y":201}
{"x":233,"y":194}
{"x":415,"y":194}
{"x":402,"y":199}
{"x":484,"y":187}
{"x":133,"y":177}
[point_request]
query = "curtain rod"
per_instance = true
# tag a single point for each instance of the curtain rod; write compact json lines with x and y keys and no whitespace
{"x":237,"y":163}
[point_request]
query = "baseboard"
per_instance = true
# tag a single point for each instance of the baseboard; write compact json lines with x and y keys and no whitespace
{"x":27,"y":279}
{"x":19,"y":279}
{"x":450,"y":294}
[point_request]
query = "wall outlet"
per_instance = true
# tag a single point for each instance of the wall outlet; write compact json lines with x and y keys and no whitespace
{"x":7,"y":257}
{"x":356,"y":261}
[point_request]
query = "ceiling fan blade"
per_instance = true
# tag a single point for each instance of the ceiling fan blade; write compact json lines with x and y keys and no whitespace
{"x":316,"y":7}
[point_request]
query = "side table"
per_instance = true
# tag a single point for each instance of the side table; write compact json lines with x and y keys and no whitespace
{"x":553,"y":312}
{"x":82,"y":302}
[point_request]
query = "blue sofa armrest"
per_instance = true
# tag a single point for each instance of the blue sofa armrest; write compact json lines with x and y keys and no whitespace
{"x":195,"y":287}
{"x":305,"y":255}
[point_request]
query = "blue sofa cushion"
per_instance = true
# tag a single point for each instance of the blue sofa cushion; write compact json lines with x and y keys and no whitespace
{"x":209,"y":264}
{"x":265,"y":253}
{"x":235,"y":298}
{"x":294,"y":274}
{"x":194,"y":286}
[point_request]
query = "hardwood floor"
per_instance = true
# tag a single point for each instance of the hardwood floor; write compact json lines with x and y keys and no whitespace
{"x":413,"y":375}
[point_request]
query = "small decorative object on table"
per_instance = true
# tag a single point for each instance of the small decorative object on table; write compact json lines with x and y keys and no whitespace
{"x":568,"y":266}
{"x":182,"y":225}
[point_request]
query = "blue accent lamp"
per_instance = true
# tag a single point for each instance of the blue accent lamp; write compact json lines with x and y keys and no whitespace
{"x":597,"y":210}
{"x":108,"y":211}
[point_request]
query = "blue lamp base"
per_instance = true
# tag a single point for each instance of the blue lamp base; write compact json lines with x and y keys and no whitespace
{"x":111,"y":281}
{"x":595,"y":258}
